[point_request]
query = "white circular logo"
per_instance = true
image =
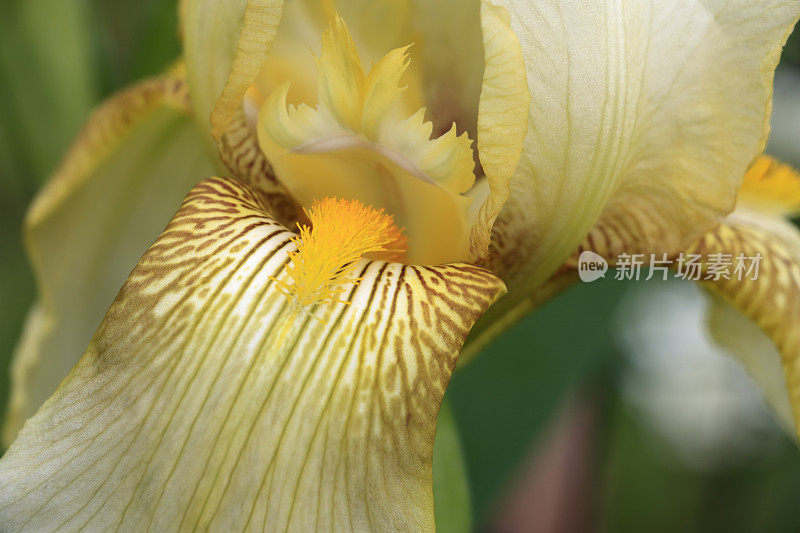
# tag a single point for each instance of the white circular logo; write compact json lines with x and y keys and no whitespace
{"x":591,"y":266}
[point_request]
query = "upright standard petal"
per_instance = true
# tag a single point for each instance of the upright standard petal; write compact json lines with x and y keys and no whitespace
{"x":225,"y":44}
{"x":128,"y":170}
{"x":447,"y":40}
{"x":207,"y":400}
{"x":645,"y":112}
{"x":502,"y":118}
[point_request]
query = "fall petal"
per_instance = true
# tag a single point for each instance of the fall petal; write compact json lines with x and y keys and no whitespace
{"x":771,"y":301}
{"x":206,"y":399}
{"x":755,"y":312}
{"x":128,"y":170}
{"x":755,"y":351}
{"x":755,"y":309}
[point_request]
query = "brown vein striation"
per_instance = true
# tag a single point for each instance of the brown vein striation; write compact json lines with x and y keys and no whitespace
{"x":205,"y":401}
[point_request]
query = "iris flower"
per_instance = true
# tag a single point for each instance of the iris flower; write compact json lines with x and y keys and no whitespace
{"x":385,"y":172}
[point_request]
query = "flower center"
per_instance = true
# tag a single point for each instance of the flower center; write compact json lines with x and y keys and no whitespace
{"x":362,"y":142}
{"x":341,"y":232}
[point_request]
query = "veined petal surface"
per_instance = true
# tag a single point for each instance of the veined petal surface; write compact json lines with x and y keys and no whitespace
{"x":743,"y":340}
{"x":127,"y":172}
{"x":206,"y":400}
{"x":771,"y":301}
{"x":225,"y":44}
{"x":645,"y":112}
{"x":756,"y":318}
{"x":502,"y":118}
{"x":755,"y":311}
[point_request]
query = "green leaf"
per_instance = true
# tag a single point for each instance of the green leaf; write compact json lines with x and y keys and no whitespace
{"x":135,"y":39}
{"x":46,"y":64}
{"x":451,"y":499}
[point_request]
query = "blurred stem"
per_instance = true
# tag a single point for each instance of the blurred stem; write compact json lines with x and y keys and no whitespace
{"x":557,"y":490}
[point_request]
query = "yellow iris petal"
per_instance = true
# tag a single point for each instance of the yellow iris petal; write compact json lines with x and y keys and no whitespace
{"x":756,"y":320}
{"x":770,"y":300}
{"x":357,"y":145}
{"x":203,"y":401}
{"x":225,"y":45}
{"x":743,"y":340}
{"x":502,"y":117}
{"x":644,"y":116}
{"x":771,"y":186}
{"x":135,"y":159}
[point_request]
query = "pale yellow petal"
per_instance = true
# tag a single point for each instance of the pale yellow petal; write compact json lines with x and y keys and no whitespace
{"x":771,"y":299}
{"x":755,"y":320}
{"x":358,"y":143}
{"x":755,"y":351}
{"x":447,"y":52}
{"x":360,"y":110}
{"x":644,"y":115}
{"x":241,"y":154}
{"x":502,"y":118}
{"x":126,"y":173}
{"x":340,"y":76}
{"x":205,"y":401}
{"x":383,"y":90}
{"x":446,"y":38}
{"x":238,"y":65}
{"x":225,"y":44}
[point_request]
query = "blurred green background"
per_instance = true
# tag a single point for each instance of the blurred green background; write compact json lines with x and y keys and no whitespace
{"x":59,"y":58}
